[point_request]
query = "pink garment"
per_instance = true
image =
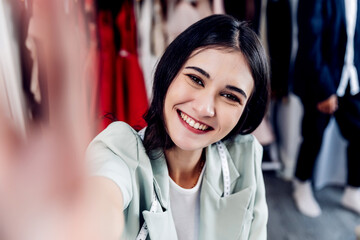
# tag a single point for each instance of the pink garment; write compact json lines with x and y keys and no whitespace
{"x":184,"y":15}
{"x":218,"y":7}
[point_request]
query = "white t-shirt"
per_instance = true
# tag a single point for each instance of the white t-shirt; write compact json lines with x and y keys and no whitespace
{"x":185,"y":207}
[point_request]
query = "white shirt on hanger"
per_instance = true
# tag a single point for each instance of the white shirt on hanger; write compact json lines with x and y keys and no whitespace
{"x":349,"y":73}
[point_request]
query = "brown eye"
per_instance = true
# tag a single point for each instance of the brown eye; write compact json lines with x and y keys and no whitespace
{"x":196,"y":80}
{"x":231,"y":97}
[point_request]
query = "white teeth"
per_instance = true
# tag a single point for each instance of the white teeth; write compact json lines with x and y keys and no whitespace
{"x":192,"y":122}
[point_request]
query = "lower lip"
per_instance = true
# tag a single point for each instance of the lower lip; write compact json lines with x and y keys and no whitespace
{"x":197,"y":131}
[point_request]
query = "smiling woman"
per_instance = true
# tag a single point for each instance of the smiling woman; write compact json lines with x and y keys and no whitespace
{"x":194,"y":172}
{"x":211,"y":90}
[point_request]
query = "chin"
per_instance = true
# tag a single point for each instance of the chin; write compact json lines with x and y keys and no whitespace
{"x":188,"y":145}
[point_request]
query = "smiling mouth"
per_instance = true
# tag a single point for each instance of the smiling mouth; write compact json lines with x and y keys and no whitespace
{"x":193,"y":123}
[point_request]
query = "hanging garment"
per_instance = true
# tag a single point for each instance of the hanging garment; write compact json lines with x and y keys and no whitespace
{"x":151,"y":36}
{"x":31,"y":45}
{"x":218,"y":7}
{"x":245,"y":10}
{"x":12,"y":102}
{"x":185,"y":14}
{"x":279,"y":36}
{"x":32,"y":78}
{"x":106,"y":68}
{"x":131,"y":98}
{"x":158,"y":34}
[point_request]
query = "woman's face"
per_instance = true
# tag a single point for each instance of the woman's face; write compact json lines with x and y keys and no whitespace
{"x":207,"y":97}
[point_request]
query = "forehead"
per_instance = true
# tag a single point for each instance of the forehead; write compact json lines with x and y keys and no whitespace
{"x":217,"y":56}
{"x":218,"y":62}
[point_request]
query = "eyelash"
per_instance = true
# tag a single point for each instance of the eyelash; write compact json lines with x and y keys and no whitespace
{"x":231,"y":97}
{"x":196,"y":80}
{"x":199,"y":82}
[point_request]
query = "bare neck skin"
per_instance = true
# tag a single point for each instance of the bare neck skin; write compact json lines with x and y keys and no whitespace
{"x":183,"y":166}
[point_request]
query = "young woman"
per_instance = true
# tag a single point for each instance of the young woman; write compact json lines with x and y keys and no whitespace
{"x":194,"y":172}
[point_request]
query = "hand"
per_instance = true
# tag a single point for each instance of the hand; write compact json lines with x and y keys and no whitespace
{"x":328,"y":106}
{"x":44,"y":188}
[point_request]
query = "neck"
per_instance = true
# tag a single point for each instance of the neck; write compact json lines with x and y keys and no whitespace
{"x":184,"y":166}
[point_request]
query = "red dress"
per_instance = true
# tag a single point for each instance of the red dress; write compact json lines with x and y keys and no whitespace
{"x":130,"y":84}
{"x":107,"y":53}
{"x":122,"y":90}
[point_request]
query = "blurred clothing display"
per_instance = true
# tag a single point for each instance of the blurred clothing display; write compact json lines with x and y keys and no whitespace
{"x":279,"y":41}
{"x":327,"y":64}
{"x":28,"y":47}
{"x":121,"y":85}
{"x":151,"y":34}
{"x":12,"y":97}
{"x":276,"y":34}
{"x":183,"y":15}
{"x":245,"y":10}
{"x":130,"y":83}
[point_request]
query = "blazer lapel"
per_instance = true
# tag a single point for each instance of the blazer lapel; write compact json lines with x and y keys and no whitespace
{"x":221,"y":217}
{"x":161,"y":177}
{"x":160,"y":224}
{"x":213,"y":173}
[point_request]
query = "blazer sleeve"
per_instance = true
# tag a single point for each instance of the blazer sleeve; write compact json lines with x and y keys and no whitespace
{"x":110,"y":155}
{"x":258,"y":229}
{"x":312,"y":62}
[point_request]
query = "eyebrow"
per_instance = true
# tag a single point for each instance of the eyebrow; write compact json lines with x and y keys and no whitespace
{"x":233,"y":88}
{"x":203,"y":72}
{"x":230,"y":87}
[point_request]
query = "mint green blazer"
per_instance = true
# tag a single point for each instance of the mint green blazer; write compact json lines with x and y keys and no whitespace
{"x":118,"y":154}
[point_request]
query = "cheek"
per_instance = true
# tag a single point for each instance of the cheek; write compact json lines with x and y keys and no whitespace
{"x":230,"y":118}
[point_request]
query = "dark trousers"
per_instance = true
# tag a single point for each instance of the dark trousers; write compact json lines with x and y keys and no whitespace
{"x":313,"y":126}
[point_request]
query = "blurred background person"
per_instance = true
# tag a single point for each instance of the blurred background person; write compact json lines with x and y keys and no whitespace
{"x":326,"y":80}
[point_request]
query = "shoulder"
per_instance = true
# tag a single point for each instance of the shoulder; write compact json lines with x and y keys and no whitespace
{"x":244,"y":143}
{"x":115,"y":131}
{"x":118,"y":137}
{"x":116,"y":153}
{"x":245,"y":149}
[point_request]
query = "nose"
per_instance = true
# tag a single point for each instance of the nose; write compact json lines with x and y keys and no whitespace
{"x":204,"y":105}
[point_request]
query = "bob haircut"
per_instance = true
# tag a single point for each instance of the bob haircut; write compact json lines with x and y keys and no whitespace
{"x":214,"y":32}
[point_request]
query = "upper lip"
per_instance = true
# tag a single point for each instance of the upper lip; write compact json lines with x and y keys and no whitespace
{"x":200,"y":122}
